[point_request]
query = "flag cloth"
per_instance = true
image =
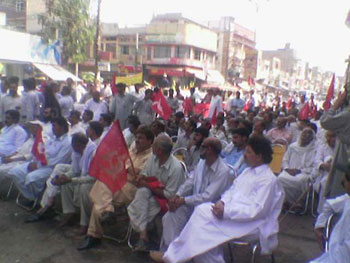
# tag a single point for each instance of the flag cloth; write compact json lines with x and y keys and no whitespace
{"x":160,"y":105}
{"x":289,"y":104}
{"x":108,"y":164}
{"x":38,"y":149}
{"x":251,"y":81}
{"x":187,"y":105}
{"x":304,"y":112}
{"x":202,"y":109}
{"x":154,"y":183}
{"x":247,"y":105}
{"x":330,"y":94}
{"x":213,"y":119}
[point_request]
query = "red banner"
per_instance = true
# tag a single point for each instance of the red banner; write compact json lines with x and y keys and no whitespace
{"x":202,"y":109}
{"x":38,"y":149}
{"x":160,"y":105}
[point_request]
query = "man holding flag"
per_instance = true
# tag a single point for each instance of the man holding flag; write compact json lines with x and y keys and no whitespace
{"x":104,"y":200}
{"x":30,"y":177}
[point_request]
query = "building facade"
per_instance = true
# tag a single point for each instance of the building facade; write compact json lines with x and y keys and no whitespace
{"x":13,"y":14}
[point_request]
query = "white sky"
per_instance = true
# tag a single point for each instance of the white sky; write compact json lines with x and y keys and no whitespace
{"x":315,"y":28}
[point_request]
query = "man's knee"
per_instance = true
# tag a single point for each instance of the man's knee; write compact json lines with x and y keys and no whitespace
{"x":143,"y":193}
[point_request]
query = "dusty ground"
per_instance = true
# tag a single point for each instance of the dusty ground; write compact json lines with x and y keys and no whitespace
{"x":43,"y":243}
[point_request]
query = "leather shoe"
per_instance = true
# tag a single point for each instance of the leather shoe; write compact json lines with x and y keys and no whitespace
{"x":89,"y":242}
{"x":108,"y":218}
{"x":47,"y":214}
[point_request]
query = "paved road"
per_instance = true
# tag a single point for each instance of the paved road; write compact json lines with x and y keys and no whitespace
{"x":44,"y":243}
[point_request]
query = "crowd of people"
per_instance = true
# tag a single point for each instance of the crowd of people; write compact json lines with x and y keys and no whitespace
{"x":211,"y":167}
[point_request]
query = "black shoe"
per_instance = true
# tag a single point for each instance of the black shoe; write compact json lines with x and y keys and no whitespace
{"x":49,"y":213}
{"x":89,"y":242}
{"x":108,"y":218}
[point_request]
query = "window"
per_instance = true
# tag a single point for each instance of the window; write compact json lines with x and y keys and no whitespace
{"x":111,"y":48}
{"x":124,"y":39}
{"x":111,"y":38}
{"x":20,"y":6}
{"x":124,"y":50}
{"x":162,"y":52}
{"x":149,"y":53}
{"x":182,"y":52}
{"x":197,"y":54}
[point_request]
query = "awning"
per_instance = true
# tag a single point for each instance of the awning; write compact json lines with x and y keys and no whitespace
{"x":215,"y":76}
{"x":199,"y":74}
{"x":55,"y":72}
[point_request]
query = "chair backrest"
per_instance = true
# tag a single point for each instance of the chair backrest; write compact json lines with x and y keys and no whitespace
{"x":331,"y":222}
{"x":185,"y":168}
{"x":277,"y":157}
{"x":179,"y":153}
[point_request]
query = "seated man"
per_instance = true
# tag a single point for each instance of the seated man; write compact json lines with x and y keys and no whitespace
{"x":192,"y":155}
{"x":94,"y":131}
{"x":218,"y":130}
{"x":249,"y":210}
{"x":298,"y":164}
{"x":164,"y":167}
{"x":75,"y":123}
{"x":339,"y":243}
{"x":30,"y":177}
{"x":130,"y":132}
{"x":184,"y":139}
{"x":323,"y":163}
{"x":76,"y":185}
{"x":88,"y":116}
{"x":208,"y":181}
{"x":105,"y":202}
{"x":12,"y":135}
{"x":280,"y":134}
{"x":233,"y":153}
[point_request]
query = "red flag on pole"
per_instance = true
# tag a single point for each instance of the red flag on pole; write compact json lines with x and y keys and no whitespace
{"x":304,"y":112}
{"x":108,"y":164}
{"x":213,"y":119}
{"x":38,"y":148}
{"x":251,"y":81}
{"x":330,"y":94}
{"x":187,"y":105}
{"x":202,"y":109}
{"x":160,"y":105}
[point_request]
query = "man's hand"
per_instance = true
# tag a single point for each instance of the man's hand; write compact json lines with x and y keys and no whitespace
{"x":6,"y":160}
{"x":172,"y":203}
{"x":60,"y":180}
{"x":292,"y":172}
{"x":218,"y":209}
{"x":320,"y":237}
{"x":32,"y":167}
{"x":141,"y":182}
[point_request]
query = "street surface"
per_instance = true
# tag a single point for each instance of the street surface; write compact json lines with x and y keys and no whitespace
{"x":43,"y":243}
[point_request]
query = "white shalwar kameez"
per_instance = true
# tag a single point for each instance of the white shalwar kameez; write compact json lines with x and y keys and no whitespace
{"x":302,"y":158}
{"x":11,"y":138}
{"x":252,"y":206}
{"x":339,"y":244}
{"x":205,"y":184}
{"x":31,"y":184}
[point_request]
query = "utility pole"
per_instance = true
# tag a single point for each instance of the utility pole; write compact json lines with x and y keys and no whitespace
{"x":97,"y":37}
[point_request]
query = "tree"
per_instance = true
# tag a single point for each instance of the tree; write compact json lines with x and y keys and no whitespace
{"x":69,"y":21}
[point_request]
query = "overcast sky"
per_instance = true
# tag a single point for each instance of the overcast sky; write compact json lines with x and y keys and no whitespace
{"x":315,"y":28}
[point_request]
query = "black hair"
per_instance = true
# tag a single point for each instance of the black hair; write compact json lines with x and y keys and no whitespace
{"x":120,"y":85}
{"x":134,"y":120}
{"x":96,"y":127}
{"x":107,"y":118}
{"x":89,"y":113}
{"x":14,"y":114}
{"x":66,"y":90}
{"x":13,"y":80}
{"x":80,"y":138}
{"x":61,"y":121}
{"x":192,"y":124}
{"x":241,"y":131}
{"x":29,"y":83}
{"x":313,"y":126}
{"x":179,"y":115}
{"x":261,"y":145}
{"x":143,"y":129}
{"x":75,"y":113}
{"x":203,"y":131}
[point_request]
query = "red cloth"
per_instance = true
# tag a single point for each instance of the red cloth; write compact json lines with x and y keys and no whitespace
{"x":330,"y":94}
{"x":202,"y":108}
{"x":289,"y":103}
{"x":304,"y":112}
{"x":187,"y":105}
{"x":247,"y":105}
{"x":113,"y":88}
{"x":38,"y":148}
{"x":108,"y":164}
{"x":213,"y":119}
{"x":160,"y":105}
{"x":251,"y":81}
{"x":154,"y":183}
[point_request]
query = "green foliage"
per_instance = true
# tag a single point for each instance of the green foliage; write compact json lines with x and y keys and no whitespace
{"x":75,"y":29}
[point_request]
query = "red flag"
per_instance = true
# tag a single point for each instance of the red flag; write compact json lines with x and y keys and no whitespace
{"x":202,"y":108}
{"x":289,"y":103}
{"x":160,"y":105}
{"x":330,"y":94}
{"x":213,"y":119}
{"x":108,"y":164}
{"x":154,"y":183}
{"x":304,"y":112}
{"x":187,"y":105}
{"x":247,"y":105}
{"x":251,"y":81}
{"x":113,"y":88}
{"x":38,"y":149}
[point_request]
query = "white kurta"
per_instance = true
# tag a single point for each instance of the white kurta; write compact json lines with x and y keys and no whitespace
{"x":301,"y":158}
{"x":97,"y":108}
{"x":67,"y":105}
{"x":215,"y":103}
{"x":9,"y":102}
{"x":339,"y":244}
{"x":252,"y":205}
{"x":11,"y":138}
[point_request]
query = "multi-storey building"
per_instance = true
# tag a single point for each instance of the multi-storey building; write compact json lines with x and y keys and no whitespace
{"x":13,"y":14}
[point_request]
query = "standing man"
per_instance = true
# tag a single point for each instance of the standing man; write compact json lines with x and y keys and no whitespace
{"x":237,"y":103}
{"x":11,"y":101}
{"x":30,"y":101}
{"x":172,"y":101}
{"x":121,"y":105}
{"x":143,"y":108}
{"x":96,"y":105}
{"x":215,"y":103}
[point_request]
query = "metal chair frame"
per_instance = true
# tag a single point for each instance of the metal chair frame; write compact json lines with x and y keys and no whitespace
{"x":254,"y":246}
